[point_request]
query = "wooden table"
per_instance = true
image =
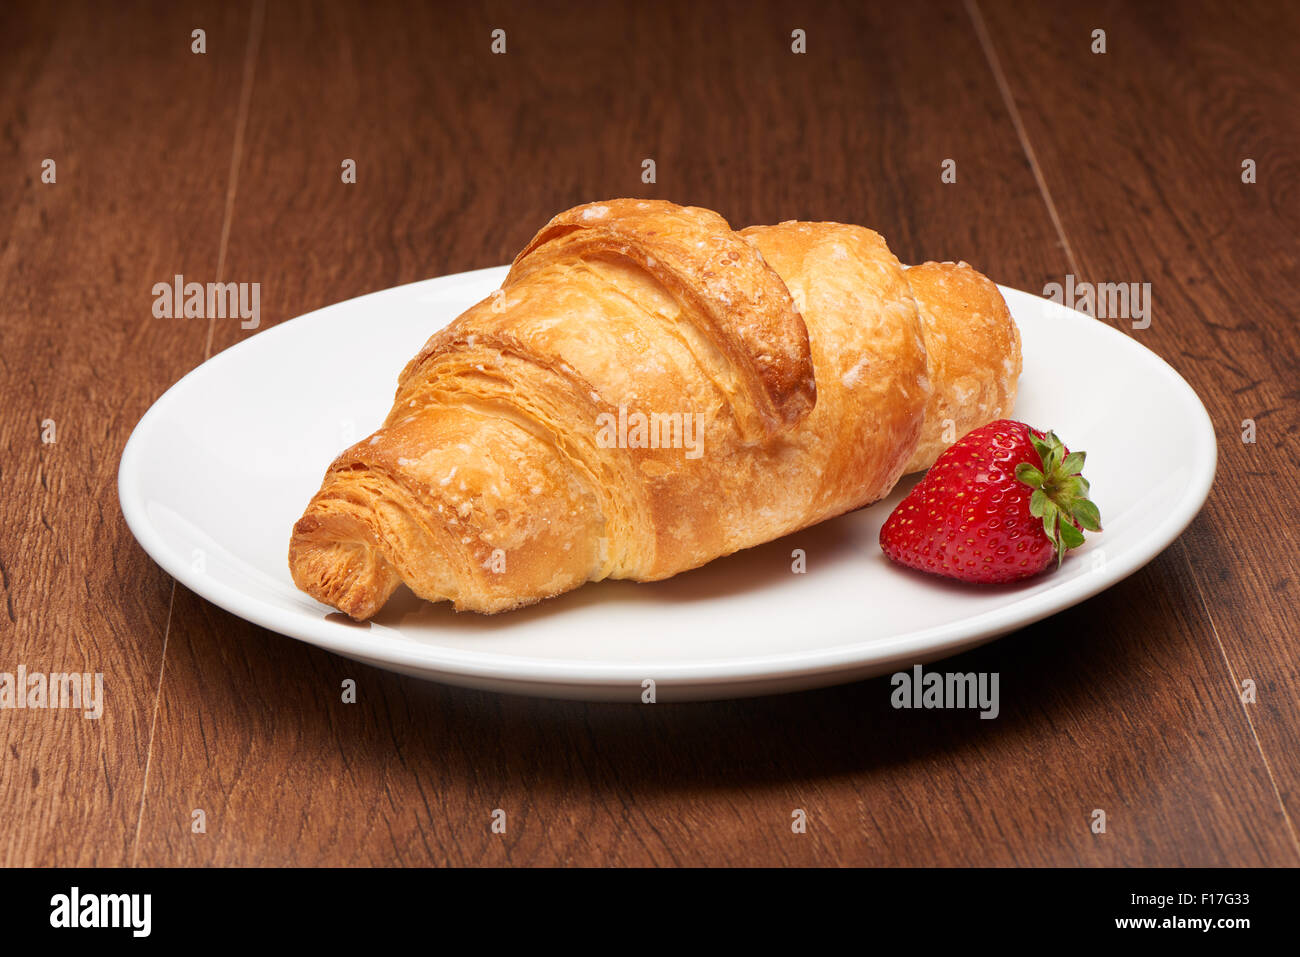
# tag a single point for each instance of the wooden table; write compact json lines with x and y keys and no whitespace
{"x":1122,"y":166}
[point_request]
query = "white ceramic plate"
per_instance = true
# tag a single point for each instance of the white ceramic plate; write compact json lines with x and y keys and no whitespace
{"x":216,"y":473}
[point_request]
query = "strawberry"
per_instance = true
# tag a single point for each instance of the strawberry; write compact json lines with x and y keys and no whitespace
{"x":997,"y":506}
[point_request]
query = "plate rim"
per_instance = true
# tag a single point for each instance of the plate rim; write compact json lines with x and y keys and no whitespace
{"x":386,"y":644}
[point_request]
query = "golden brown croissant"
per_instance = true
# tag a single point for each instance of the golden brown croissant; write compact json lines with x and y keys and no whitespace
{"x":650,"y":390}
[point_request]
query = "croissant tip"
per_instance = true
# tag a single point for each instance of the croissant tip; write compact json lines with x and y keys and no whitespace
{"x":338,"y":570}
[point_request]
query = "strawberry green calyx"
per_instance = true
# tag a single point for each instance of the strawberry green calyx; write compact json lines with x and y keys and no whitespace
{"x":1060,"y":496}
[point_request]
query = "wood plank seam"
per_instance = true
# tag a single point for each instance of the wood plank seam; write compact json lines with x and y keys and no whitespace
{"x":237,"y":148}
{"x":1236,"y":687}
{"x":990,"y":54}
{"x":153,"y":723}
{"x":256,"y":19}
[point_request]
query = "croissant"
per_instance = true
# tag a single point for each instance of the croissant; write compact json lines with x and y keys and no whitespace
{"x":647,"y":391}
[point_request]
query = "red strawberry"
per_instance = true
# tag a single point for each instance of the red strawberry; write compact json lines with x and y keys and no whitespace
{"x":995,"y":507}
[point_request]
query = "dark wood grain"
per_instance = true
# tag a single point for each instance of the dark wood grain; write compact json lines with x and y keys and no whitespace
{"x":1153,"y":192}
{"x":1126,"y":703}
{"x":137,"y":196}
